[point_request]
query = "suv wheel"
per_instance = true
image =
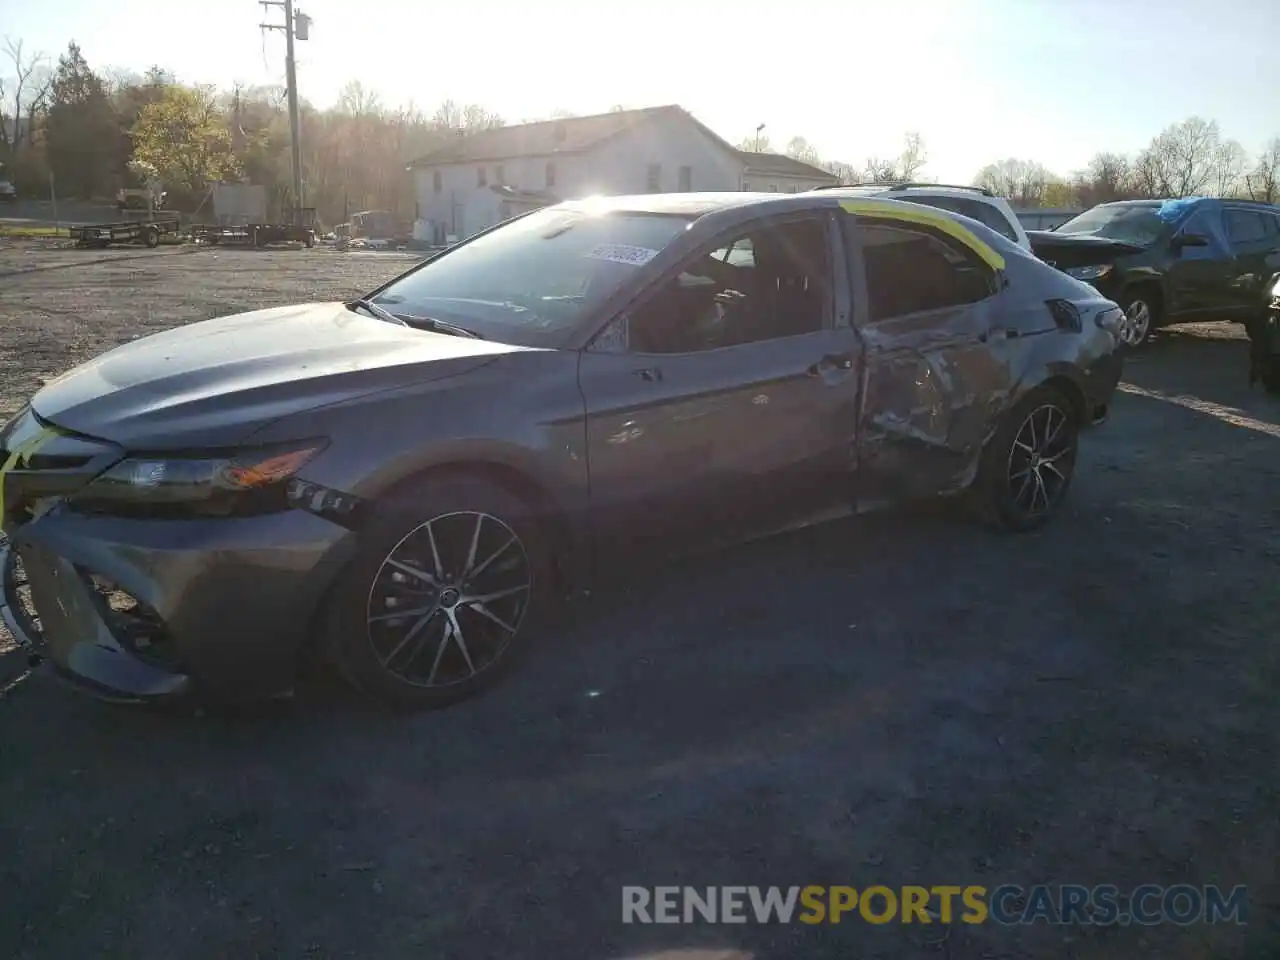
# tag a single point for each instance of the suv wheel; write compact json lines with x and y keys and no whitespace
{"x":1141,"y":316}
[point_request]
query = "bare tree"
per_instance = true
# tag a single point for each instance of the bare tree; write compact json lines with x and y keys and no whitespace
{"x":1182,"y":160}
{"x":801,"y":149}
{"x":913,"y":157}
{"x":845,"y":173}
{"x":1108,"y":177}
{"x":22,"y":95}
{"x":1022,"y":182}
{"x":1228,"y":168}
{"x":906,"y":166}
{"x":1263,"y":181}
{"x":465,"y":119}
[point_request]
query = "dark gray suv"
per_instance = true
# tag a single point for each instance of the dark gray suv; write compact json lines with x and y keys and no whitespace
{"x":406,"y":481}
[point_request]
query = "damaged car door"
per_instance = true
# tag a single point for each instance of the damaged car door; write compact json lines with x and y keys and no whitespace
{"x":937,"y":359}
{"x":723,"y":402}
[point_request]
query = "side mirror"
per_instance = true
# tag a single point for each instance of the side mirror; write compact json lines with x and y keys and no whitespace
{"x":1190,"y":240}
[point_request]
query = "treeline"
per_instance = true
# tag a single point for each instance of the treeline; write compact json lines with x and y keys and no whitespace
{"x":1191,"y":158}
{"x":88,"y":132}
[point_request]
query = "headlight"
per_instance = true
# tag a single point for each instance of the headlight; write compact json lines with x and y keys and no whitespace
{"x":1096,"y":272}
{"x":1275,"y":288}
{"x":251,"y":481}
{"x":1111,"y":320}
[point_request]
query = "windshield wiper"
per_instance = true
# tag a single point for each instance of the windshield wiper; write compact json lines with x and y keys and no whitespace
{"x":438,"y":326}
{"x":408,"y":320}
{"x":370,"y":307}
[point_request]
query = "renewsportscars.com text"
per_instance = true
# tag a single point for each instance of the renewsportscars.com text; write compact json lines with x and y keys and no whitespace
{"x":1008,"y":904}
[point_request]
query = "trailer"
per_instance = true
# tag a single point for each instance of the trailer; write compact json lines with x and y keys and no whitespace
{"x":254,"y":234}
{"x":259,"y":234}
{"x":146,"y":232}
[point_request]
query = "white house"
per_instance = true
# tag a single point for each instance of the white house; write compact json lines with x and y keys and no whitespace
{"x":486,"y":177}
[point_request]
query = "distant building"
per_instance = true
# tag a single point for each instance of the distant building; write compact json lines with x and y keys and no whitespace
{"x":486,"y":177}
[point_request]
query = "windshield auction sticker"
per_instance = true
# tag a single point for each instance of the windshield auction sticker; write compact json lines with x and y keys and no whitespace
{"x":621,"y":253}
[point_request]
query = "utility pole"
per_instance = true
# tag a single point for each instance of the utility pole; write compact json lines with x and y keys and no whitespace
{"x":295,"y":25}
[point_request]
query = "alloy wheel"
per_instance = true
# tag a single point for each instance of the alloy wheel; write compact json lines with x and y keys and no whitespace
{"x":1137,"y":323}
{"x":1041,"y":460}
{"x":448,"y":599}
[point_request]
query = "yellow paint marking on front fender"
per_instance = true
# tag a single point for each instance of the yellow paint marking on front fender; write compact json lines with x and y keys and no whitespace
{"x":21,"y":456}
{"x":939,"y":221}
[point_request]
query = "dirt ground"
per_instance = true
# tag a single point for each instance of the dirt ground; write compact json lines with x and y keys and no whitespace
{"x":901,"y":699}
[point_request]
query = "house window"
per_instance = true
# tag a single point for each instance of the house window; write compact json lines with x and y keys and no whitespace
{"x":551,"y":174}
{"x":655,"y":177}
{"x":482,"y":180}
{"x":686,"y":179}
{"x":437,"y":181}
{"x":499,"y":175}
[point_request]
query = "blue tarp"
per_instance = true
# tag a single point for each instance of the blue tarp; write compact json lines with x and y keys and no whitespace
{"x":1171,"y":211}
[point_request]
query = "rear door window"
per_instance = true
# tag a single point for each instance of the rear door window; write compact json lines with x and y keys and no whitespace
{"x":912,"y":269}
{"x":1244,"y":227}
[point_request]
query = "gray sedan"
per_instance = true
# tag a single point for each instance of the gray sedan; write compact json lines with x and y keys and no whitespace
{"x":408,"y":482}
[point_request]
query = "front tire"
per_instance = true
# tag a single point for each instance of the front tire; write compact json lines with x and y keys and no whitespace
{"x":442,"y":596}
{"x":1027,"y":466}
{"x":1141,"y":307}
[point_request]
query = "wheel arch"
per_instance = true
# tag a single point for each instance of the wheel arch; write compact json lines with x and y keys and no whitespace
{"x":1150,"y":283}
{"x":1062,"y":377}
{"x":569,"y":550}
{"x":517,"y":475}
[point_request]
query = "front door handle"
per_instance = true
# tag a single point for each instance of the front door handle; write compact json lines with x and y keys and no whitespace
{"x":832,"y":361}
{"x":649,"y":374}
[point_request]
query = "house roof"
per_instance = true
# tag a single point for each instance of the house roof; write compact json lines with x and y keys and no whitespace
{"x":549,"y":137}
{"x":782,"y":165}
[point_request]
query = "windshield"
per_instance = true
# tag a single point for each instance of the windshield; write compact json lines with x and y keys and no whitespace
{"x":533,"y":280}
{"x":1131,"y":224}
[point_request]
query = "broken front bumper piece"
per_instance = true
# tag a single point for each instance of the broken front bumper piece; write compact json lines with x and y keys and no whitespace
{"x":75,"y":604}
{"x":135,"y":610}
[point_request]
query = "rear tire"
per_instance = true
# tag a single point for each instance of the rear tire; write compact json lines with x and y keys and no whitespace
{"x":151,"y":238}
{"x":459,"y":555}
{"x":1026,"y":468}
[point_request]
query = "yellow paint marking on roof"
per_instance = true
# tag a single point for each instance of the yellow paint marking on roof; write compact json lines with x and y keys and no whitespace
{"x":897,"y":210}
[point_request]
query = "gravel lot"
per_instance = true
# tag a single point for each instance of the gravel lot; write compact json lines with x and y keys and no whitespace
{"x":899,"y":699}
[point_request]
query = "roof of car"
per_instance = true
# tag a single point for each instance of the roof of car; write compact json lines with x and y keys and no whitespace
{"x":698,"y":204}
{"x":985,"y":242}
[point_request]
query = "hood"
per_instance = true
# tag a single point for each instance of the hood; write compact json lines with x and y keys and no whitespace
{"x":1064,"y":250}
{"x":211,"y":384}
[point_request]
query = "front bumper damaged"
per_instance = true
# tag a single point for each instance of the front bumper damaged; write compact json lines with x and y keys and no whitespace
{"x":151,"y":610}
{"x":139,"y":609}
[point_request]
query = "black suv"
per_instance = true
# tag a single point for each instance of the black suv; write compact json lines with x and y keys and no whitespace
{"x":1171,"y":261}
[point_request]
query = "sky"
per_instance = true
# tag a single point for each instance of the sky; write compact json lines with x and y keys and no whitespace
{"x":981,"y":80}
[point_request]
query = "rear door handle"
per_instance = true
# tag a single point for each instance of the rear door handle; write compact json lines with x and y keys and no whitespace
{"x":832,"y":361}
{"x":649,"y":374}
